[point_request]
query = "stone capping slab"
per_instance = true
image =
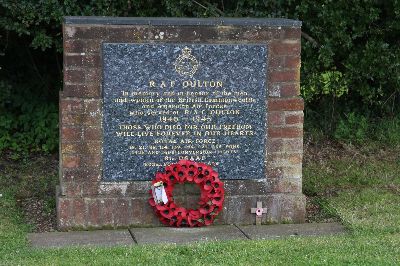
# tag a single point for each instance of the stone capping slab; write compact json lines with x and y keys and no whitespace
{"x":106,"y":238}
{"x":163,"y":21}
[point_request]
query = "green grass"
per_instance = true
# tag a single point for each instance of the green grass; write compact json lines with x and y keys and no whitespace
{"x":362,"y":190}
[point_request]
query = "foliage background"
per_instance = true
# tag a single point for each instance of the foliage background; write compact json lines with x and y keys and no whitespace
{"x":350,"y":62}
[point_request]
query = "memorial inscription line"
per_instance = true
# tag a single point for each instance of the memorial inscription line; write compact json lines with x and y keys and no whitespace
{"x":200,"y":107}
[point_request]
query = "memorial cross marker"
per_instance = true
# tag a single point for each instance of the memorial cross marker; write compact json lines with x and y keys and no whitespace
{"x":141,"y":93}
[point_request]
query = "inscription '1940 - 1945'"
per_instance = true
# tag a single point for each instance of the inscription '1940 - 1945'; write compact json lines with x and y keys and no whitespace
{"x":165,"y":102}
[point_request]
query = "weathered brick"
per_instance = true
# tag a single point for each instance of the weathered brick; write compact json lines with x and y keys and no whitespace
{"x":289,"y":90}
{"x":291,"y":145}
{"x":82,"y":91}
{"x":82,"y":46}
{"x":284,"y":75}
{"x":292,"y":208}
{"x":71,"y":161}
{"x":64,"y":212}
{"x":82,"y":175}
{"x":284,"y":185}
{"x":286,"y":47}
{"x":93,"y":212}
{"x":81,"y":119}
{"x":92,"y":105}
{"x":79,"y":210}
{"x":107,"y":211}
{"x":72,"y":105}
{"x":92,"y":133}
{"x":288,"y":104}
{"x":274,"y":172}
{"x":276,"y":118}
{"x":90,"y":32}
{"x":291,"y":33}
{"x":292,"y":119}
{"x":71,"y":134}
{"x":274,"y":89}
{"x":78,"y":60}
{"x":90,"y":188}
{"x":285,"y":132}
{"x":123,"y":212}
{"x":74,"y":76}
{"x":292,"y":62}
{"x":284,"y":159}
{"x":92,"y":161}
{"x":72,"y":189}
{"x":275,"y":145}
{"x":276,"y":62}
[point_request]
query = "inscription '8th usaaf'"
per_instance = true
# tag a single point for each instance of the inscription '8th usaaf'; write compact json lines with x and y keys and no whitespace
{"x":165,"y":102}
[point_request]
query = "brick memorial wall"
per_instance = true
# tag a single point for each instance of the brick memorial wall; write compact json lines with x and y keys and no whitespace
{"x":127,"y":109}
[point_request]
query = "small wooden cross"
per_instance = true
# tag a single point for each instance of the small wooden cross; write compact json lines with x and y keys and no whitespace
{"x":259,"y":211}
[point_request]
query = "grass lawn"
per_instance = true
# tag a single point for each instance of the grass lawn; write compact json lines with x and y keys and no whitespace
{"x":361,"y":187}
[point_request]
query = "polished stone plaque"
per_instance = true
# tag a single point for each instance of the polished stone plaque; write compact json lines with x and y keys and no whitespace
{"x":166,"y":102}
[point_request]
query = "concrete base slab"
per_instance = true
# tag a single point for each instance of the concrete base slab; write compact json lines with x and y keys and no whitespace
{"x":81,"y":238}
{"x":284,"y":230}
{"x":186,"y":235}
{"x":159,"y":235}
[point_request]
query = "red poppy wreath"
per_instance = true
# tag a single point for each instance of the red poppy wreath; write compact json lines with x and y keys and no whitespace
{"x":211,"y":197}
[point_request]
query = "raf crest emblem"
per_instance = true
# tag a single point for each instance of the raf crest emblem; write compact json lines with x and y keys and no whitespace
{"x":186,"y":64}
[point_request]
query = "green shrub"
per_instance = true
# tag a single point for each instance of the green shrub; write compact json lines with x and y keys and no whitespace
{"x":353,"y":127}
{"x":27,"y":123}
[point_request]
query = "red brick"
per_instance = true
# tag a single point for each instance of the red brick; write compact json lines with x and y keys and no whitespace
{"x":275,"y":145}
{"x":64,"y":213}
{"x":291,"y":145}
{"x":284,"y":76}
{"x":92,"y":105}
{"x":275,"y":118}
{"x":286,"y":48}
{"x":82,"y":91}
{"x":123,"y":212}
{"x":93,"y":133}
{"x":81,"y":119}
{"x":285,"y":132}
{"x":294,"y":119}
{"x":78,"y":60}
{"x":72,"y":189}
{"x":90,"y":188}
{"x":82,"y":175}
{"x":90,"y":32}
{"x":288,"y":104}
{"x":276,"y":62}
{"x":93,"y":207}
{"x":107,"y":210}
{"x":74,"y":76}
{"x":71,"y":106}
{"x":290,"y":90}
{"x":82,"y":46}
{"x":93,"y":161}
{"x":71,"y":134}
{"x":70,"y":161}
{"x":291,"y":33}
{"x":274,"y":172}
{"x":79,"y":210}
{"x":284,"y":185}
{"x":292,"y":62}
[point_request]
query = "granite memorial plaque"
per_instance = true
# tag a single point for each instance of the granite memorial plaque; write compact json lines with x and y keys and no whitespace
{"x":166,"y":102}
